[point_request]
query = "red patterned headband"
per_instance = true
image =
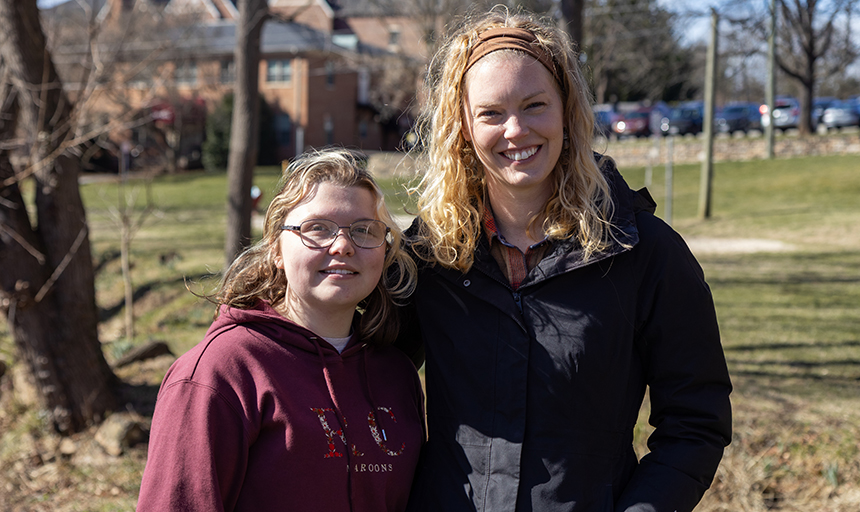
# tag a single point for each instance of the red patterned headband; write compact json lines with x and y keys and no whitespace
{"x":505,"y":38}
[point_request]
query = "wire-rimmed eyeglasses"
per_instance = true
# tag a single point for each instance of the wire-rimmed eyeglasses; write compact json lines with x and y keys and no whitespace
{"x":321,"y":233}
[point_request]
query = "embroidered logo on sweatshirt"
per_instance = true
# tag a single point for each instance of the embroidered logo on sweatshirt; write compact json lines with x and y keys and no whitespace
{"x":376,"y":432}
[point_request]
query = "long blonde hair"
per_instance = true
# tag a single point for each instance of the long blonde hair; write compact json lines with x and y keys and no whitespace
{"x":452,"y":191}
{"x":254,"y":276}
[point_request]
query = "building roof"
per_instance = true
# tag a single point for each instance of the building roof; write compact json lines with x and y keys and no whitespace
{"x":211,"y":39}
{"x":100,"y":7}
{"x":220,"y":38}
{"x":206,"y":39}
{"x":367,"y":8}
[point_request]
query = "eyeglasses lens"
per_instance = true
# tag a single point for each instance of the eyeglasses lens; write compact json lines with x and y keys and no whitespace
{"x":367,"y":234}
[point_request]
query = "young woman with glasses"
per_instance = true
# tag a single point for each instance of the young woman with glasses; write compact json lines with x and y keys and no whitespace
{"x":294,"y":400}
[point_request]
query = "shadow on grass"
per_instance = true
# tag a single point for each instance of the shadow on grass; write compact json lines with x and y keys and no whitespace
{"x":141,"y":291}
{"x":800,"y":278}
{"x":816,"y":378}
{"x":138,"y":397}
{"x":785,"y":346}
{"x":105,"y":258}
{"x":799,"y":364}
{"x":780,"y":387}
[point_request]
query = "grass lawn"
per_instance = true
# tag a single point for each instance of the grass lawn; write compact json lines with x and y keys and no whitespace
{"x":790,"y":320}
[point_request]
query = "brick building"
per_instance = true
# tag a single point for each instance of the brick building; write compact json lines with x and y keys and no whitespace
{"x":322,"y":71}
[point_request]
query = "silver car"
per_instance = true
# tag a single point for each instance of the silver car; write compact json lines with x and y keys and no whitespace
{"x":841,"y":114}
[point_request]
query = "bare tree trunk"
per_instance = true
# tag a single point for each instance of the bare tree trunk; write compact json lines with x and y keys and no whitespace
{"x":806,"y":40}
{"x":48,"y":292}
{"x":125,"y":253}
{"x":571,"y":20}
{"x":244,"y":131}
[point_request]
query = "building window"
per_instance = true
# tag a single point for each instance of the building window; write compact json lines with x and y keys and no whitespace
{"x":283,"y":129}
{"x":393,"y":36}
{"x":186,"y":73}
{"x":144,"y":77}
{"x":329,"y":74}
{"x":228,"y":71}
{"x":279,"y":71}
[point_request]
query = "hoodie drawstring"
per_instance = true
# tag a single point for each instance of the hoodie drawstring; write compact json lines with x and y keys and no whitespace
{"x":340,"y":419}
{"x":374,"y":409}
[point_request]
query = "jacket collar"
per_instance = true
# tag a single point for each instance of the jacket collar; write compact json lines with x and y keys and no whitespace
{"x":567,"y":255}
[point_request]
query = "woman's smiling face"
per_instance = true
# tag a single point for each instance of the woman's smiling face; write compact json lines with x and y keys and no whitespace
{"x":336,"y":278}
{"x":513,"y":118}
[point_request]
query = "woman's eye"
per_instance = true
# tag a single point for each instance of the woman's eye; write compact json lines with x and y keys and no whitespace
{"x":536,"y":104}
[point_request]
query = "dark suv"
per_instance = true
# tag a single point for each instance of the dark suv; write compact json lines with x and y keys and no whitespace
{"x":685,"y":118}
{"x":739,"y":117}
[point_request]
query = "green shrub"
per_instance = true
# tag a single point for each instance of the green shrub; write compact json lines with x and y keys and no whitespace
{"x":216,"y":147}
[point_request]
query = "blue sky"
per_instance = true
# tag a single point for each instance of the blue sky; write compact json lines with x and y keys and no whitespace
{"x":697,"y":28}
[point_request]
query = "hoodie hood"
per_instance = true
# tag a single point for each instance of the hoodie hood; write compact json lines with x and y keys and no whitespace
{"x":263,"y":319}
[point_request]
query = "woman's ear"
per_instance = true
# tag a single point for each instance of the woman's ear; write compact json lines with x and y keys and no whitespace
{"x":464,"y":131}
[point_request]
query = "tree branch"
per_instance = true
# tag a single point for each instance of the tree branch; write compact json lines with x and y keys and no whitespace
{"x":23,"y":243}
{"x":63,"y":264}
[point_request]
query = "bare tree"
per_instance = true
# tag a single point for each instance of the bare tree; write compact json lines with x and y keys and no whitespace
{"x":48,"y":293}
{"x":808,"y":32}
{"x":814,"y":42}
{"x":244,"y":131}
{"x":633,"y":51}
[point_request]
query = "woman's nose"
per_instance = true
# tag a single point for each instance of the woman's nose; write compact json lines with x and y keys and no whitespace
{"x":342,"y":243}
{"x":515,"y":127}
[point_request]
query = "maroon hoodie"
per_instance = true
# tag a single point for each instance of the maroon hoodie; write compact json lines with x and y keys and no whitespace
{"x":265,"y":415}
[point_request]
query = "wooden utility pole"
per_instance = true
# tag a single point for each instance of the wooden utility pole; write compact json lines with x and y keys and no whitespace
{"x":708,"y":123}
{"x":670,"y":180}
{"x":770,"y":86}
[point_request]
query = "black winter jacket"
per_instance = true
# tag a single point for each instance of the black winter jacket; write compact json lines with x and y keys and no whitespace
{"x":532,"y":395}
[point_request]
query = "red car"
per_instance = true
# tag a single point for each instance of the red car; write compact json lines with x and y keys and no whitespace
{"x":634,"y":124}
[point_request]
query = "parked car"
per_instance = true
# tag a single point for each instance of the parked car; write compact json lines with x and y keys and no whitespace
{"x":841,"y":114}
{"x":604,"y":116}
{"x":738,"y":117}
{"x":686,"y":118}
{"x":633,"y":124}
{"x":659,"y":111}
{"x":819,"y":105}
{"x":786,"y":113}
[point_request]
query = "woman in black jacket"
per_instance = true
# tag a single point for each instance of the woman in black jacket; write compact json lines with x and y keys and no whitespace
{"x":550,"y":298}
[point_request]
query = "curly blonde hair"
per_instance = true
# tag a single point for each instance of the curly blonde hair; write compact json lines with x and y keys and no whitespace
{"x":452,"y":192}
{"x":254,"y":276}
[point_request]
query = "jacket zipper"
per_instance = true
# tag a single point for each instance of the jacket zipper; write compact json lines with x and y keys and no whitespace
{"x":518,"y":300}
